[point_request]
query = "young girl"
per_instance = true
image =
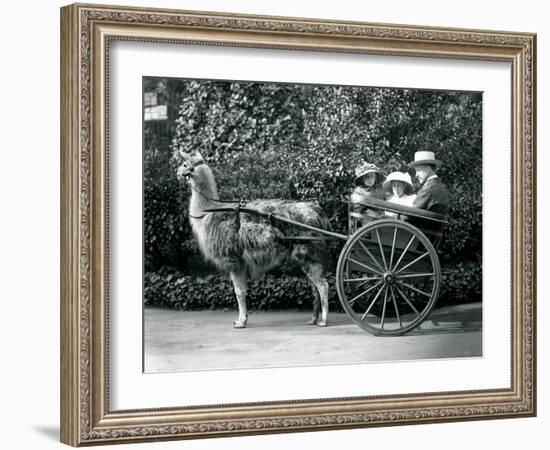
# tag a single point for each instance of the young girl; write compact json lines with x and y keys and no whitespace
{"x":368,"y":183}
{"x":399,"y":186}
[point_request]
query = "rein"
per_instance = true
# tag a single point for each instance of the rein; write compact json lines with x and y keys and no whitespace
{"x":241,"y":202}
{"x":210,"y":198}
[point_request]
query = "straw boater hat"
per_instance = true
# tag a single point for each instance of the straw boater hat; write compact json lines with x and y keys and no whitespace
{"x":366,"y":168}
{"x":425,"y":158}
{"x":399,"y":176}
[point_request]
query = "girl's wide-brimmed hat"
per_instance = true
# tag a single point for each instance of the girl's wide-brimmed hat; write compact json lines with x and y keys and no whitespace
{"x":399,"y":176}
{"x":366,"y":168}
{"x":424,"y":157}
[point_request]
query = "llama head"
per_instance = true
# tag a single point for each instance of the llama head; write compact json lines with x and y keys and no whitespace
{"x":188,"y":163}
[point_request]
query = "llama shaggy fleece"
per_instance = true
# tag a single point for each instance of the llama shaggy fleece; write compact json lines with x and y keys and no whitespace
{"x":255,"y":245}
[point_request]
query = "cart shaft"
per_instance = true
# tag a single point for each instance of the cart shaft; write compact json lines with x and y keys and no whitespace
{"x":271,"y":216}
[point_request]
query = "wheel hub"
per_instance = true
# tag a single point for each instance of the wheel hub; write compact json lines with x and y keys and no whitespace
{"x":389,"y":278}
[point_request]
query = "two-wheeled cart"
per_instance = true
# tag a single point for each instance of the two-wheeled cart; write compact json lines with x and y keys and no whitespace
{"x":388,"y":274}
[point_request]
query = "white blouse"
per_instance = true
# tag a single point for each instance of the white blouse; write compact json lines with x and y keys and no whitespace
{"x":405,"y":200}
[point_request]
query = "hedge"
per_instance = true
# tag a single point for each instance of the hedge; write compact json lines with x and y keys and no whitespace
{"x":461,"y":283}
{"x":273,"y":140}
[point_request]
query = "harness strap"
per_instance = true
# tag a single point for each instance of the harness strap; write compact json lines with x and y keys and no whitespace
{"x":196,"y":217}
{"x":240,"y":202}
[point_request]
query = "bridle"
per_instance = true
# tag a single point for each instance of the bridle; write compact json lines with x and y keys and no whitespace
{"x":240,"y":202}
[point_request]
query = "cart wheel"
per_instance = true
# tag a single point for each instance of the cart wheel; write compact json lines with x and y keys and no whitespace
{"x":388,"y":277}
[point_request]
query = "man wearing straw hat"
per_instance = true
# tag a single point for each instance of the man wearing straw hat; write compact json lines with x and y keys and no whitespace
{"x":432,"y":195}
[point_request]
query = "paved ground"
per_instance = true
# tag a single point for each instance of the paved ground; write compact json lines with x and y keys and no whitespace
{"x":182,"y":340}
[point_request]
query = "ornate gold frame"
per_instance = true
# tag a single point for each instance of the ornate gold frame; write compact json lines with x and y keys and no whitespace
{"x":86,"y":31}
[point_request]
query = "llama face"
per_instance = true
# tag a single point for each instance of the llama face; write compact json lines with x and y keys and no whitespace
{"x":189,"y":162}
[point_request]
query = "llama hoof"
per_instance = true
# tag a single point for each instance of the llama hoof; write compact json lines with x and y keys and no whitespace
{"x":322,"y":323}
{"x":238,"y":324}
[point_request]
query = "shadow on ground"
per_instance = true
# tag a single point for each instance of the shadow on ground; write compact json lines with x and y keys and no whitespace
{"x":457,"y":319}
{"x":50,"y":432}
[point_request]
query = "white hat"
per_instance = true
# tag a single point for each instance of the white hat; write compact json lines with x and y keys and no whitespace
{"x":399,"y":176}
{"x":424,"y":157}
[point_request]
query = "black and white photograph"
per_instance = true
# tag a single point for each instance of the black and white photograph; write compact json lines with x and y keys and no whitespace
{"x":266,"y":225}
{"x":289,"y":225}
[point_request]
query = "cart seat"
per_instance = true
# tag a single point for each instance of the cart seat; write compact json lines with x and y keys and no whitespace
{"x":430,"y":223}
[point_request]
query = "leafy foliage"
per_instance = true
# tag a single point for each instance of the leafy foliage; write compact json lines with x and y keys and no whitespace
{"x":170,"y":288}
{"x":461,"y":283}
{"x":165,"y":228}
{"x":275,"y":140}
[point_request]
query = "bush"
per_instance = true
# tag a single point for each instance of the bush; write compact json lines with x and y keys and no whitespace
{"x":165,"y":226}
{"x":269,"y":140}
{"x":461,"y":283}
{"x":174,"y":290}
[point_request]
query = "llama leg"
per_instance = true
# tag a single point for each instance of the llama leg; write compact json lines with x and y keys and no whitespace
{"x":239,"y":284}
{"x":316,"y":304}
{"x":315,"y":274}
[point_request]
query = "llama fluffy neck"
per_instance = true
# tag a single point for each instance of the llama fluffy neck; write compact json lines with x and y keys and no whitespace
{"x":204,"y":189}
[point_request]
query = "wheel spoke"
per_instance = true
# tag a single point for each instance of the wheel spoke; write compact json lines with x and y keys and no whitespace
{"x":384,"y":309}
{"x":393,"y":246}
{"x":412,"y":262}
{"x":364,"y":265}
{"x":366,"y":300}
{"x":415,"y":275}
{"x":363,"y":280}
{"x":415,"y":289}
{"x":365,"y":292}
{"x":396,"y":308}
{"x":407,"y":300}
{"x":381,"y":250}
{"x":403,"y":253}
{"x":351,"y":280}
{"x":361,"y":284}
{"x":372,"y":303}
{"x":368,"y":252}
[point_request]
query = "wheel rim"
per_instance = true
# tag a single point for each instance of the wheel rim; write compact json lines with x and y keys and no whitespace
{"x":388,"y":277}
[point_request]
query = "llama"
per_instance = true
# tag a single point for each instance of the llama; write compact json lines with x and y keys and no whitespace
{"x":249,"y":246}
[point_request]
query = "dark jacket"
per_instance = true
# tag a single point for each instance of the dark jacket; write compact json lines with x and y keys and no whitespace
{"x":433,"y":196}
{"x":360,"y":194}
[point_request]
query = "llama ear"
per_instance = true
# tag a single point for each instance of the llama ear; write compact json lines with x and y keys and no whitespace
{"x":197,"y":156}
{"x":185,"y":156}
